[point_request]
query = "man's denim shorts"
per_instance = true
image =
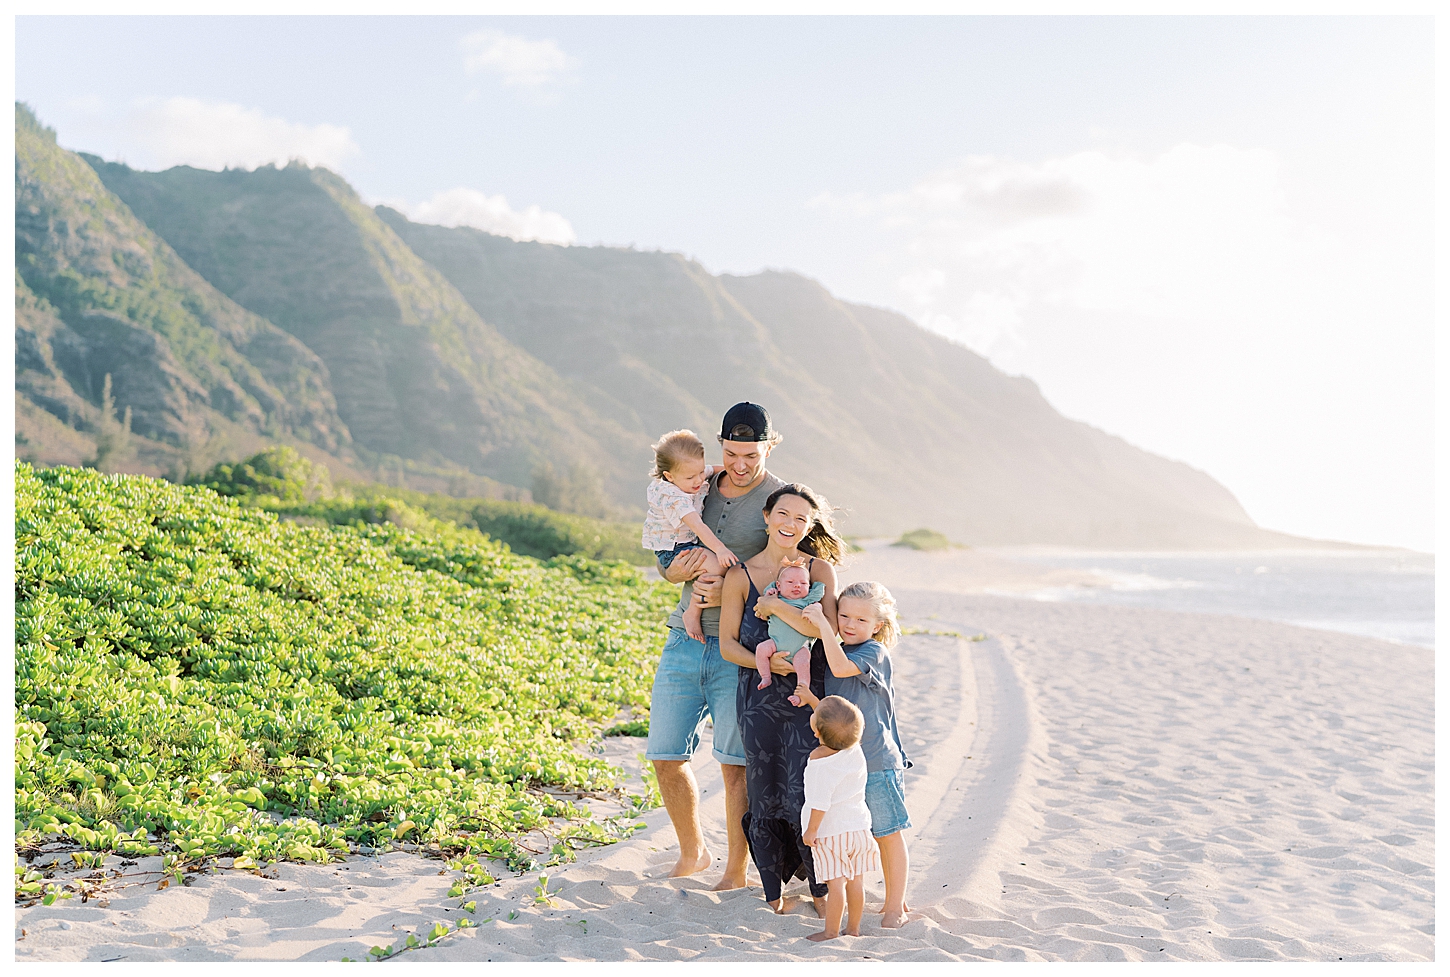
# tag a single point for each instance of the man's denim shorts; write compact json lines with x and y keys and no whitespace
{"x":693,"y":682}
{"x":666,"y":557}
{"x":886,"y":800}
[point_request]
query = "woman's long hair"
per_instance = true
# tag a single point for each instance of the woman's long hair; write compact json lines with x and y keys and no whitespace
{"x":820,"y":540}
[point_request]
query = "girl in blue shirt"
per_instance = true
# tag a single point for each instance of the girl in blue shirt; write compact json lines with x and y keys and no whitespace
{"x":859,"y":670}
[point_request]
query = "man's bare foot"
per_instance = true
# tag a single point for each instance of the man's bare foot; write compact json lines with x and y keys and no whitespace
{"x":782,"y":905}
{"x":822,"y":936}
{"x":892,"y":921}
{"x":683,"y":867}
{"x":729,"y":881}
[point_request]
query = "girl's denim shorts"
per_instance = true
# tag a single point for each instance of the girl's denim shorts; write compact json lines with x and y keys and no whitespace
{"x":886,"y":800}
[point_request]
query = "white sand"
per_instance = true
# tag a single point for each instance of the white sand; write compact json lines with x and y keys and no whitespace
{"x":1091,"y":783}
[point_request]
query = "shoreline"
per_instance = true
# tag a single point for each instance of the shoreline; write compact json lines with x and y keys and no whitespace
{"x":1092,"y":782}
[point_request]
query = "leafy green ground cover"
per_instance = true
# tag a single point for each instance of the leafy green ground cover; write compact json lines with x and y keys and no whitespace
{"x":202,"y":678}
{"x":282,"y":481}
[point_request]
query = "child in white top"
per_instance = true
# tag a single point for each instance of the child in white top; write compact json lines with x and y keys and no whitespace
{"x":676,"y":494}
{"x":835,"y":819}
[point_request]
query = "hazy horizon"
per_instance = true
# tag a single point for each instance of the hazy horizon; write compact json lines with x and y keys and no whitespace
{"x":1208,"y":238}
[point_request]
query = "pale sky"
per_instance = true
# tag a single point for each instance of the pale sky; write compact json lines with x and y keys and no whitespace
{"x":1210,"y":236}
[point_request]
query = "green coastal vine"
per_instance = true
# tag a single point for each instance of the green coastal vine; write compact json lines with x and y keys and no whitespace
{"x":198,"y":679}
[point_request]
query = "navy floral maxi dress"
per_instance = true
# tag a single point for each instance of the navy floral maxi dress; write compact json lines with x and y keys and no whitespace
{"x":778,"y":741}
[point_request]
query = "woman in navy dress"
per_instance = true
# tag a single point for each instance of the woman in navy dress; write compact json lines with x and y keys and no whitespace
{"x":777,"y":735}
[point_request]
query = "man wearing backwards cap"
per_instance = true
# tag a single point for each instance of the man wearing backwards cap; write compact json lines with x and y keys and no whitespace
{"x":693,"y":680}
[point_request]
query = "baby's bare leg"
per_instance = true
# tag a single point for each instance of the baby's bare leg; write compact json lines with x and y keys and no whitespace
{"x":712,"y":564}
{"x":802,"y":663}
{"x":763,"y":651}
{"x":696,"y":609}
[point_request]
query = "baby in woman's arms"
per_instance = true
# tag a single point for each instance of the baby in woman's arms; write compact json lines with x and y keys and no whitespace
{"x":792,"y":585}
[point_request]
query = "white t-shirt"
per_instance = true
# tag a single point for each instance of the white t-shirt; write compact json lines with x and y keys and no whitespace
{"x":837,"y":785}
{"x":668,"y":506}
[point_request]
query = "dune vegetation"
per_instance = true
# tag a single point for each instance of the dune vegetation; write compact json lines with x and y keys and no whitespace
{"x":199,"y":677}
{"x":925,"y":539}
{"x":284,"y":482}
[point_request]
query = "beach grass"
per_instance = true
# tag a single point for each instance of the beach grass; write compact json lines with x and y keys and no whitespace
{"x":282,"y":481}
{"x":200,"y":678}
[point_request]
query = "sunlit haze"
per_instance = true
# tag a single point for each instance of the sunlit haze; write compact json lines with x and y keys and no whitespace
{"x":1212,"y":237}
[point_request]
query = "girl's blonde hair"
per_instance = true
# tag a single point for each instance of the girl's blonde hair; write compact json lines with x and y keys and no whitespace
{"x":882,"y":604}
{"x":673,"y":448}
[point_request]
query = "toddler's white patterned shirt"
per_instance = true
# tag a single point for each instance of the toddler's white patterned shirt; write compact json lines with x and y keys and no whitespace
{"x":668,"y":505}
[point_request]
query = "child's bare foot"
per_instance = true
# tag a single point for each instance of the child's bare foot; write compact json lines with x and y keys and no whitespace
{"x":795,"y":700}
{"x":823,"y":936}
{"x":852,"y":930}
{"x":891,"y":921}
{"x":764,"y":682}
{"x":685,"y":866}
{"x":692,"y":621}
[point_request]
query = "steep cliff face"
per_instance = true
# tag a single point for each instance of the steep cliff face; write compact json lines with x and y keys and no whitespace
{"x":243,"y":307}
{"x":416,"y":371}
{"x":988,"y":454}
{"x":897,"y":425}
{"x":99,"y":294}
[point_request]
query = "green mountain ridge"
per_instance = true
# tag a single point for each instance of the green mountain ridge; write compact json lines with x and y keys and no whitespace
{"x":245,"y":308}
{"x":417,"y":373}
{"x":99,"y":294}
{"x":900,"y":426}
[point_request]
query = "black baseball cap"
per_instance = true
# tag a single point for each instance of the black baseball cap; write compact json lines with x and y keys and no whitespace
{"x":746,"y":422}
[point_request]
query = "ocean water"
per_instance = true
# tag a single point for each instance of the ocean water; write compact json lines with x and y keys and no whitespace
{"x":1387,"y":594}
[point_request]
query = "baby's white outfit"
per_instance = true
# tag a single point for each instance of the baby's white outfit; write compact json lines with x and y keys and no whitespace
{"x":837,"y":785}
{"x":664,"y":526}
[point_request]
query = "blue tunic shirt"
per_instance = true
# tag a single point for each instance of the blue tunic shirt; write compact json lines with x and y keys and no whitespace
{"x":871,"y":692}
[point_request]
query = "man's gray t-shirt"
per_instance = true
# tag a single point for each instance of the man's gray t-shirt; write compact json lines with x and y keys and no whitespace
{"x":740,"y":524}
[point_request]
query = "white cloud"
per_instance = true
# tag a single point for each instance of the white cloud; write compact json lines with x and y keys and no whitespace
{"x":1187,"y":301}
{"x":518,"y":62}
{"x":1195,"y":234}
{"x":213,"y":135}
{"x":465,"y":207}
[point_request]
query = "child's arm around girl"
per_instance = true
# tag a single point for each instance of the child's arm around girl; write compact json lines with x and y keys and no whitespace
{"x":840,"y":665}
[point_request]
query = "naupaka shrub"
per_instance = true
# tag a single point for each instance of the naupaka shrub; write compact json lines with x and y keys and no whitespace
{"x":194,"y":673}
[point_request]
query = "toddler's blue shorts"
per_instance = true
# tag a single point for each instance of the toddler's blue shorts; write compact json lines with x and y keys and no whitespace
{"x":666,"y":557}
{"x":886,"y":800}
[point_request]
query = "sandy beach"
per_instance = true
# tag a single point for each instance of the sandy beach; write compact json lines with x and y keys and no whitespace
{"x":1090,"y":783}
